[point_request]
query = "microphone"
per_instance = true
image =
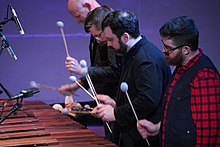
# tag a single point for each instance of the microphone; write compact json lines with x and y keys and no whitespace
{"x":8,"y":47}
{"x":16,"y":20}
{"x":25,"y":93}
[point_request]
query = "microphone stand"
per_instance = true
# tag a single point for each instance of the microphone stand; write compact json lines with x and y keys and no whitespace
{"x":13,"y":110}
{"x":1,"y":37}
{"x":15,"y":107}
{"x":4,"y":44}
{"x":6,"y":20}
{"x":1,"y":30}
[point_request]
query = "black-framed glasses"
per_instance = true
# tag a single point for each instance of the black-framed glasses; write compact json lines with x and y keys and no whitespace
{"x":98,"y":35}
{"x":169,"y":49}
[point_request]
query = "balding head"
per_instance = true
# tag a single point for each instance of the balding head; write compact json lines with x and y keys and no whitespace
{"x":80,"y":8}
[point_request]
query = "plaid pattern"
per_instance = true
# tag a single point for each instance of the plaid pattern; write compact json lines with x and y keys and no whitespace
{"x":205,"y":104}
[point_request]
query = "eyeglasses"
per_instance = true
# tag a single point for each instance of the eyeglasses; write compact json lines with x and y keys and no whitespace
{"x":169,"y":49}
{"x":97,"y":36}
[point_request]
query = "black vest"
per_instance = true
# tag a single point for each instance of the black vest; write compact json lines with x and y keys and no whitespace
{"x":180,"y":130}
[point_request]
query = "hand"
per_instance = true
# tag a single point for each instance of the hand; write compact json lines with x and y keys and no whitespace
{"x":105,"y":99}
{"x":147,"y":128}
{"x":73,"y":66}
{"x":68,"y":89}
{"x":105,"y":112}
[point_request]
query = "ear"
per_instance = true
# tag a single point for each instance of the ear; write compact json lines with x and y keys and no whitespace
{"x":186,"y":50}
{"x":125,"y":37}
{"x":88,"y":5}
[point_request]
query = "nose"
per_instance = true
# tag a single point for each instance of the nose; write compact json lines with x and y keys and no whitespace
{"x":98,"y":40}
{"x":164,"y":50}
{"x":109,"y":43}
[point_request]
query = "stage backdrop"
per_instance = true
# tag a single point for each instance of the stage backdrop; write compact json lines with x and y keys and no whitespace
{"x":41,"y":52}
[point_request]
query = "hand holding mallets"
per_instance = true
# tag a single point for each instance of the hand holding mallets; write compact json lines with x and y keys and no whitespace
{"x":39,"y":85}
{"x":124,"y":88}
{"x":84,"y":72}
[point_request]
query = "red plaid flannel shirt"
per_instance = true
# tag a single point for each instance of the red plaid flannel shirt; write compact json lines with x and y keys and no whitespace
{"x":205,"y":104}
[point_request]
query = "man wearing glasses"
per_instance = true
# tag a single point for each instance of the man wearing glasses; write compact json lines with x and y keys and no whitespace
{"x":192,"y":101}
{"x":103,"y":58}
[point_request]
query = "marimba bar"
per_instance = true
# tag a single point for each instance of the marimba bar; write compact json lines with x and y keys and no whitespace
{"x":37,"y":124}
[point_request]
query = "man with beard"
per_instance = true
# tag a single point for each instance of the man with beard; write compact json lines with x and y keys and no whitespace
{"x":103,"y":58}
{"x":192,"y":101}
{"x":145,"y":71}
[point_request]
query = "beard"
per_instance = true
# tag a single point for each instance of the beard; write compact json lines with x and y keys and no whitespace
{"x":123,"y":47}
{"x":175,"y":61}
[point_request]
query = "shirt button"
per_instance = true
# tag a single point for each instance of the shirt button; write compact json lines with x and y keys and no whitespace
{"x":188,"y":132}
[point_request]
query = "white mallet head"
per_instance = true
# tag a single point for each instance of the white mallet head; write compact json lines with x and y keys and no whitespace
{"x":84,"y":71}
{"x":87,"y":106}
{"x":83,"y":63}
{"x":124,"y":87}
{"x":72,"y":79}
{"x":58,"y":107}
{"x":65,"y":111}
{"x":33,"y":84}
{"x":60,"y":24}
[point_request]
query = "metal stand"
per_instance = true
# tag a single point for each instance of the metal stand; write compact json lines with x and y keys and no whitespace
{"x":6,"y":20}
{"x":13,"y":110}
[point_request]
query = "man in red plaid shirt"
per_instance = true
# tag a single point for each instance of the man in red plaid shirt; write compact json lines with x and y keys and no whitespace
{"x":191,"y":116}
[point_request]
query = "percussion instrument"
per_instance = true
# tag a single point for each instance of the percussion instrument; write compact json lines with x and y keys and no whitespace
{"x":37,"y":124}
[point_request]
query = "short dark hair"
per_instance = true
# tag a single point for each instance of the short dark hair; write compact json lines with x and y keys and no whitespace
{"x":182,"y":30}
{"x":95,"y":17}
{"x":121,"y":21}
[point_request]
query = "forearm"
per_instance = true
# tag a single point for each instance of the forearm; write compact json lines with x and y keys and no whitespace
{"x":108,"y":74}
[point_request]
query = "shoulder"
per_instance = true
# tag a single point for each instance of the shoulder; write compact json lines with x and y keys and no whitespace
{"x":206,"y":76}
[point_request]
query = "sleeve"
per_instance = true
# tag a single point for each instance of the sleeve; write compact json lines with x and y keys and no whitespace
{"x":84,"y":82}
{"x":107,"y":65}
{"x":146,"y":95}
{"x":205,"y":107}
{"x":109,"y":74}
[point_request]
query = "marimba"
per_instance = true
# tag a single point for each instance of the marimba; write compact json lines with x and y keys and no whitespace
{"x":37,"y":124}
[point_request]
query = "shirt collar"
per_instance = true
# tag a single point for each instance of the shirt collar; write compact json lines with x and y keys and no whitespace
{"x":191,"y":62}
{"x":132,"y":42}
